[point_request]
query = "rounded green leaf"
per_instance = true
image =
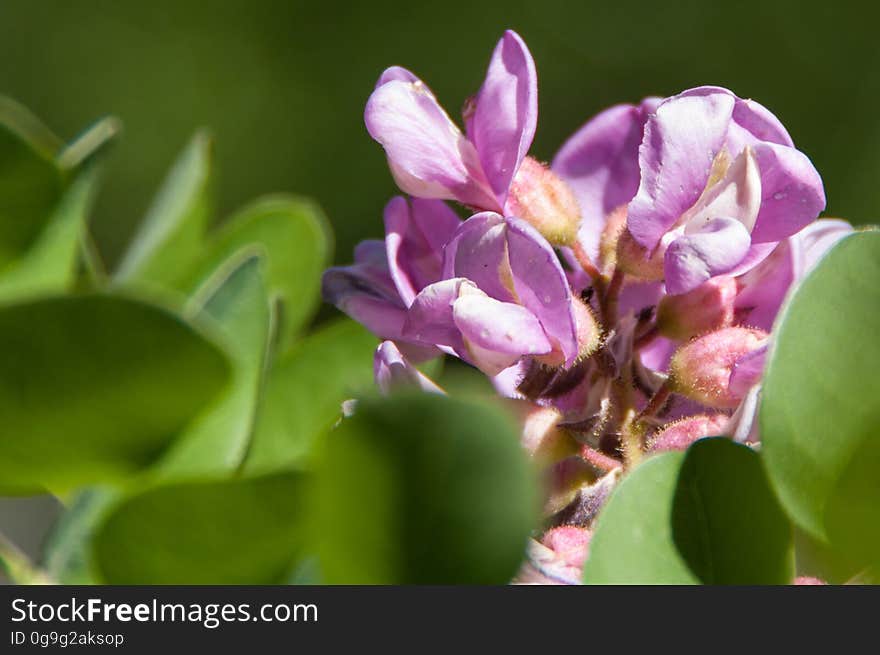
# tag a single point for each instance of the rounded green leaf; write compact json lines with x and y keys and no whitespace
{"x":704,"y":516}
{"x":820,"y":418}
{"x":95,"y":387}
{"x":240,"y":531}
{"x":235,"y":303}
{"x":294,"y":238}
{"x":632,"y":542}
{"x":421,"y":488}
{"x":303,"y":394}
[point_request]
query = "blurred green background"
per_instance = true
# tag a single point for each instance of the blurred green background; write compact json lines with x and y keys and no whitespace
{"x":283,"y":84}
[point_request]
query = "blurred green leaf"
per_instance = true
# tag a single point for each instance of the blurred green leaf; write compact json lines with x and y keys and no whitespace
{"x":172,"y":233}
{"x":235,"y":301}
{"x":726,"y":522}
{"x":51,"y":262}
{"x":294,"y":237}
{"x":95,"y":387}
{"x":422,"y":488}
{"x":30,"y":181}
{"x":819,"y":413}
{"x":241,"y":531}
{"x":704,"y":516}
{"x":633,"y":540}
{"x":66,"y":557}
{"x":304,"y":393}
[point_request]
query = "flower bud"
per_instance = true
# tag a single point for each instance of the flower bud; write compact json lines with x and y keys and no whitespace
{"x":680,"y":434}
{"x":634,"y":259}
{"x":706,"y":308}
{"x":807,"y":581}
{"x":570,"y":543}
{"x":540,"y":197}
{"x":701,"y":368}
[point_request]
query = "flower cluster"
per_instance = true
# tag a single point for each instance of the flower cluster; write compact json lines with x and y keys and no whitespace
{"x":624,"y":294}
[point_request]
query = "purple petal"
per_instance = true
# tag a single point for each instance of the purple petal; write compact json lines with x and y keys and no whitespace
{"x":600,"y":163}
{"x":392,"y":370}
{"x":415,"y":234}
{"x":541,"y":285}
{"x":503,"y":124}
{"x":682,"y":139}
{"x":497,"y":334}
{"x":714,"y":250}
{"x":430,"y":318}
{"x":760,"y":123}
{"x":792,"y":192}
{"x":398,"y":73}
{"x":478,"y":252}
{"x":747,"y":371}
{"x":428,"y":155}
{"x":818,"y":238}
{"x":764,"y":287}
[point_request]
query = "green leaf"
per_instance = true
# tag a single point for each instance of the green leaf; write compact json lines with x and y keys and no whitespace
{"x":30,"y":181}
{"x":294,"y":237}
{"x":50,"y":264}
{"x":95,"y":387}
{"x":705,"y":516}
{"x":241,"y":531}
{"x":726,"y":522}
{"x":172,"y":233}
{"x":633,"y":541}
{"x":422,"y":488}
{"x":235,"y":301}
{"x":819,"y":413}
{"x":304,"y":393}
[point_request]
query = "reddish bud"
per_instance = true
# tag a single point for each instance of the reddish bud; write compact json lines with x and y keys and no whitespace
{"x":540,"y":197}
{"x":701,"y":368}
{"x":680,"y":434}
{"x":807,"y":581}
{"x":706,"y":308}
{"x":570,"y":543}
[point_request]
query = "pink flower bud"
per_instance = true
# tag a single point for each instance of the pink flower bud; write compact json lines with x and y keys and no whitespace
{"x":807,"y":581}
{"x":701,"y":368}
{"x":570,"y":543}
{"x":706,"y":308}
{"x":540,"y":197}
{"x":680,"y":434}
{"x":634,"y":259}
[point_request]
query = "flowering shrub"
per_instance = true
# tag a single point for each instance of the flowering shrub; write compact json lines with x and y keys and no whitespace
{"x":681,"y":357}
{"x":624,"y":295}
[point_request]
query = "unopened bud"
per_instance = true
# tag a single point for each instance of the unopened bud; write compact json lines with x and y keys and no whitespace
{"x":706,"y":308}
{"x":540,"y":197}
{"x":808,"y":581}
{"x":570,"y":543}
{"x":636,"y":260}
{"x":701,"y":368}
{"x":682,"y":433}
